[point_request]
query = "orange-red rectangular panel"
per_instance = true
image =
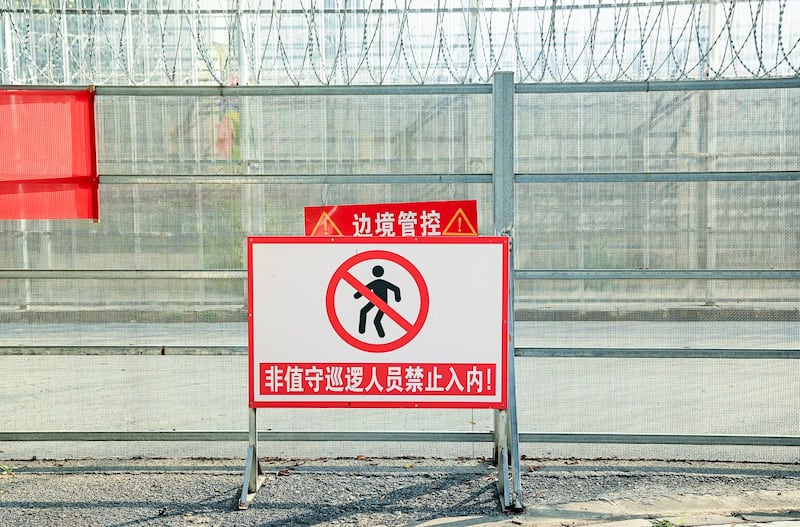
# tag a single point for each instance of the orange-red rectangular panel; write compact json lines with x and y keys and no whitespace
{"x":48,"y":160}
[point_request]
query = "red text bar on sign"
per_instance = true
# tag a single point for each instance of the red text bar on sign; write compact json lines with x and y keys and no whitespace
{"x":377,"y":379}
{"x":390,"y":220}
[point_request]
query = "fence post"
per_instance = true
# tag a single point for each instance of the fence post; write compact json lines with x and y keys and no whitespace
{"x":506,"y":432}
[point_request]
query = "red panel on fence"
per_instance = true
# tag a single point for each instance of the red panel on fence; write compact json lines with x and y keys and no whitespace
{"x":48,"y":166}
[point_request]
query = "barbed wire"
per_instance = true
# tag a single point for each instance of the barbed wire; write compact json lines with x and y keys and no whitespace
{"x":394,"y":41}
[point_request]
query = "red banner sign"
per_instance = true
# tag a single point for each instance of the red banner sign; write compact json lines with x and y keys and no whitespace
{"x":432,"y":218}
{"x":48,"y":167}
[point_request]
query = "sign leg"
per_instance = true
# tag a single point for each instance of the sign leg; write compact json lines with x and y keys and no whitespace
{"x":506,"y":457}
{"x":503,"y":479}
{"x":512,"y":439}
{"x":253,"y":473}
{"x":501,"y":458}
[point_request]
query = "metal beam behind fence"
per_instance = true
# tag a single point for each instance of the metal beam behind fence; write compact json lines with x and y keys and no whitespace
{"x":519,"y":352}
{"x":424,"y":437}
{"x":519,"y":274}
{"x":658,"y":353}
{"x":431,"y":89}
{"x":658,"y":177}
{"x":310,"y":179}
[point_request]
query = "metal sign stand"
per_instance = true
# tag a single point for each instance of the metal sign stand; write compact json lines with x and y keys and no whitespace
{"x":253,"y":473}
{"x":506,"y":431}
{"x":505,"y":437}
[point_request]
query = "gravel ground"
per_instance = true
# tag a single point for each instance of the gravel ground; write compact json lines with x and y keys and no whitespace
{"x":358,"y":491}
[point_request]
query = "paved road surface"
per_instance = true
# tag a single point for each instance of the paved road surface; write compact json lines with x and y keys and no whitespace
{"x":113,"y":392}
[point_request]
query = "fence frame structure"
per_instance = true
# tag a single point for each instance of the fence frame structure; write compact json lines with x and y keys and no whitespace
{"x":503,"y":180}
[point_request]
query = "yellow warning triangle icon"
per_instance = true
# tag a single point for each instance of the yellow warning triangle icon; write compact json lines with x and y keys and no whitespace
{"x":459,"y":225}
{"x":325,"y":226}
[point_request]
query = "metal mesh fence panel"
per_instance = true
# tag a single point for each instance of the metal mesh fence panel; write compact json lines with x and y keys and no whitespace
{"x":295,"y":135}
{"x":617,"y":183}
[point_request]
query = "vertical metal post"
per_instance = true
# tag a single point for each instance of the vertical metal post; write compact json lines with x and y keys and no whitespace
{"x":706,"y":148}
{"x":253,"y":473}
{"x":252,"y":438}
{"x":506,"y":429}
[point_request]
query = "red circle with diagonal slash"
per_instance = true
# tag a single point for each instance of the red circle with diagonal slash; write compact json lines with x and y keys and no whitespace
{"x":342,"y":273}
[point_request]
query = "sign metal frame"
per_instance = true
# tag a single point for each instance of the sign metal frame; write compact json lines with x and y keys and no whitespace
{"x":506,"y":430}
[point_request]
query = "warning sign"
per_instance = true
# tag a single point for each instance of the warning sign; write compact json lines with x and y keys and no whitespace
{"x":347,"y":321}
{"x":394,"y":220}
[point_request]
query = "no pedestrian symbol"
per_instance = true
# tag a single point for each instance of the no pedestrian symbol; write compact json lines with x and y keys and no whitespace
{"x":377,"y":301}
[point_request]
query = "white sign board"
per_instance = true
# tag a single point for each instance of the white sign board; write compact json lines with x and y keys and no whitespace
{"x":371,"y":322}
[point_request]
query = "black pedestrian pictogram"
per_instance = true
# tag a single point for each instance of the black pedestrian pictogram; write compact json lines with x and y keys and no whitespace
{"x":381,"y":288}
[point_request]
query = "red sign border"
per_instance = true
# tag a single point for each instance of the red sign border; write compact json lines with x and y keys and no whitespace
{"x":321,"y":403}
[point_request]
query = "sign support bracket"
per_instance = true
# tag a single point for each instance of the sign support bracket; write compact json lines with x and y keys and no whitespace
{"x":253,"y":473}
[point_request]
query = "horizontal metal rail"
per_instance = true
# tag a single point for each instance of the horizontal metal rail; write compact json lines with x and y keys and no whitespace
{"x":648,"y":86}
{"x":446,"y":437}
{"x":522,"y":352}
{"x":658,"y":353}
{"x":293,"y":91}
{"x":122,"y":274}
{"x":430,"y":89}
{"x":382,"y":179}
{"x":310,"y":179}
{"x":657,"y":177}
{"x":663,"y":439}
{"x":119,"y":350}
{"x":520,"y":274}
{"x":438,"y":437}
{"x":658,"y":274}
